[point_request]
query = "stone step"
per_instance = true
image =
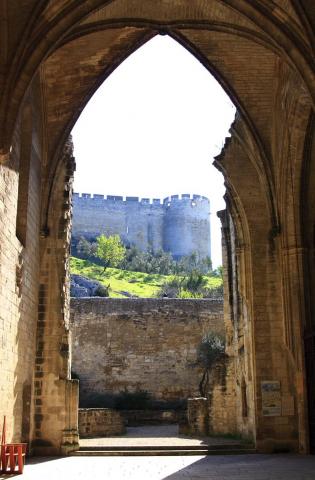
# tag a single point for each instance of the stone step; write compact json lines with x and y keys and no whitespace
{"x":235,"y":446}
{"x":159,"y":451}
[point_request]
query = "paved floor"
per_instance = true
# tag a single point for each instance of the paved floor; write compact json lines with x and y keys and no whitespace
{"x":242,"y":467}
{"x":164,"y":435}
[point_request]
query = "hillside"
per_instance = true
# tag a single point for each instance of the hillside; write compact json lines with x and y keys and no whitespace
{"x":124,"y":283}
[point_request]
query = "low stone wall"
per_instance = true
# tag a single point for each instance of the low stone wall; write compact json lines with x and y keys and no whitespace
{"x":222,"y":402}
{"x":100,"y":422}
{"x":215,"y":414}
{"x":140,"y":344}
{"x":134,"y":418}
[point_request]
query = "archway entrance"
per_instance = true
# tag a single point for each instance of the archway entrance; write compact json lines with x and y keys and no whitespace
{"x":263,"y":59}
{"x":142,"y":357}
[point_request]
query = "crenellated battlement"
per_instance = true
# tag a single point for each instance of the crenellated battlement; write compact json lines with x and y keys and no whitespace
{"x":145,"y":201}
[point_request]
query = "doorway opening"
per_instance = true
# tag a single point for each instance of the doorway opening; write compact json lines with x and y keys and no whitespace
{"x":142,"y":247}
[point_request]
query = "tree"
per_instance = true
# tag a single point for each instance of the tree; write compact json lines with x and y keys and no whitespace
{"x":85,"y":248}
{"x":110,"y":250}
{"x":218,"y":272}
{"x":211,"y":349}
{"x":207,"y":264}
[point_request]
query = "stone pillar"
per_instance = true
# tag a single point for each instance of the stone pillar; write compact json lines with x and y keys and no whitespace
{"x":197,"y":415}
{"x":294,"y":293}
{"x":70,"y":434}
{"x":55,"y":394}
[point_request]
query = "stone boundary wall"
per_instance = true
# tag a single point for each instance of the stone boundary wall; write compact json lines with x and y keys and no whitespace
{"x":100,"y":422}
{"x":135,"y":418}
{"x":140,"y":344}
{"x":197,"y":416}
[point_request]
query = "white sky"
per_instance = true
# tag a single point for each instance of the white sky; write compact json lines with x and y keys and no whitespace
{"x":152,"y":129}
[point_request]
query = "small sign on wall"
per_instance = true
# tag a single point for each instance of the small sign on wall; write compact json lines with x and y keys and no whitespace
{"x":271,"y":398}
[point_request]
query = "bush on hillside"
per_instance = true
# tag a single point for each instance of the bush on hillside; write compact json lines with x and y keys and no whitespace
{"x":191,"y":286}
{"x":159,"y":262}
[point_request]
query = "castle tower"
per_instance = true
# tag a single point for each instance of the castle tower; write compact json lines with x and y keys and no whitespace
{"x":187,"y":226}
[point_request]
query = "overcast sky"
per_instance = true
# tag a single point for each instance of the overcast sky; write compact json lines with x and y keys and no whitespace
{"x":153,"y":128}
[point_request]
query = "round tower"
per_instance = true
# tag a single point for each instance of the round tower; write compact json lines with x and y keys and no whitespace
{"x":187,"y":226}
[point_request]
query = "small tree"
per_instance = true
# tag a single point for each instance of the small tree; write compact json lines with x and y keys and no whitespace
{"x":85,"y":248}
{"x":218,"y":272}
{"x":110,"y":250}
{"x":211,"y":349}
{"x":207,"y":264}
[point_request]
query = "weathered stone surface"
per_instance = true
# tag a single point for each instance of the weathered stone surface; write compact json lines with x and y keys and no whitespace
{"x":100,"y":422}
{"x":140,"y":344}
{"x":134,"y":418}
{"x":197,"y":416}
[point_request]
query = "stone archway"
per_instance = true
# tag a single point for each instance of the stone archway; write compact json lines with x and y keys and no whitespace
{"x":263,"y":58}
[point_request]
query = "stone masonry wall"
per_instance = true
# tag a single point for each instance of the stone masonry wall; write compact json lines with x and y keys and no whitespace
{"x":19,"y":264}
{"x":140,"y":344}
{"x":100,"y":422}
{"x":177,"y":225}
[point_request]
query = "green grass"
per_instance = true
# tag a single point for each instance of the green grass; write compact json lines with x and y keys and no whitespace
{"x":140,"y":284}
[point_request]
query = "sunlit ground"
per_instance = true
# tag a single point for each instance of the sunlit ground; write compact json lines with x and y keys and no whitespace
{"x":241,"y":467}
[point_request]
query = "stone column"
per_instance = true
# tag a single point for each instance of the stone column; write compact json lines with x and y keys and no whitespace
{"x":55,"y":394}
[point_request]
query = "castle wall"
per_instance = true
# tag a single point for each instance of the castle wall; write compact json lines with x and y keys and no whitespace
{"x":140,"y":344}
{"x":177,"y":225}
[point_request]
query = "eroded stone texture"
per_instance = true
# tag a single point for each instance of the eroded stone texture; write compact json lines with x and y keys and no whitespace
{"x":100,"y":422}
{"x":197,"y":416}
{"x":140,"y":344}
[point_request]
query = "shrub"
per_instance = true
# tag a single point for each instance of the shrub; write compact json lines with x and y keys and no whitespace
{"x":188,"y":294}
{"x":102,"y":291}
{"x":191,"y":286}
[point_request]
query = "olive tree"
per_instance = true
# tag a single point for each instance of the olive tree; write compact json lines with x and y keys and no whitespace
{"x":210,"y":350}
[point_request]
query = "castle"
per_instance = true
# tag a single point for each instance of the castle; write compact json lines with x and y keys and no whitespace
{"x":179,"y":224}
{"x":54,"y":55}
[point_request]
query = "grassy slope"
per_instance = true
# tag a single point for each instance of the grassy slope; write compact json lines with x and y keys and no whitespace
{"x":135,"y":283}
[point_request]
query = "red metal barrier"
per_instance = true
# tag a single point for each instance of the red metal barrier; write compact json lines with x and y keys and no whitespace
{"x":12,"y":456}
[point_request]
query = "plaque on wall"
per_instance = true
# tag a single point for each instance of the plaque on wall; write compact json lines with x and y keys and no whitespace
{"x":271,"y":399}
